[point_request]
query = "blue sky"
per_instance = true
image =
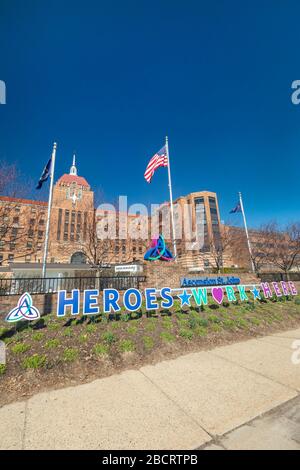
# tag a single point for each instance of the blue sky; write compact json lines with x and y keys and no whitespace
{"x":111,"y":79}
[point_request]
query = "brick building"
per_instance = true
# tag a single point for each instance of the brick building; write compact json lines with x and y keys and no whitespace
{"x":76,"y":224}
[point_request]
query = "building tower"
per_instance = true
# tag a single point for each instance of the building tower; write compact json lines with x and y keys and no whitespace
{"x":72,"y":217}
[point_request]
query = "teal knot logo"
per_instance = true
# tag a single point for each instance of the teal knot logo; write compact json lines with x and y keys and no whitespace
{"x":158,"y":250}
{"x":24,"y":310}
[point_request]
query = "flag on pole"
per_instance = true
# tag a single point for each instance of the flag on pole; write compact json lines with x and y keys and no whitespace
{"x":45,"y":175}
{"x":236,"y":209}
{"x":159,"y":159}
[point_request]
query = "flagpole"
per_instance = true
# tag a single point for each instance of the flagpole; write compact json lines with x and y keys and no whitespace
{"x":49,"y":210}
{"x":171,"y":200}
{"x":246,"y":230}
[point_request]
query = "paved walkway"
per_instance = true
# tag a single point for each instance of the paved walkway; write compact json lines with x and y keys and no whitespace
{"x":183,"y":403}
{"x":278,"y":429}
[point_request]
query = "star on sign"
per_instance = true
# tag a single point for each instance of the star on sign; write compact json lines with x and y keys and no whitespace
{"x":185,"y":298}
{"x":255,"y":292}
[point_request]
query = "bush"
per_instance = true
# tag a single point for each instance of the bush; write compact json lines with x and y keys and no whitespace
{"x":70,"y":354}
{"x":34,"y":362}
{"x":91,"y":328}
{"x":2,"y":369}
{"x":148,"y":342}
{"x":150,"y":325}
{"x":214,"y":319}
{"x":167,"y":324}
{"x":3,"y":331}
{"x":109,"y":337}
{"x":52,"y":343}
{"x":192,"y":322}
{"x":127,"y":345}
{"x":125,"y":317}
{"x":203,"y":322}
{"x":132,"y":330}
{"x":68,"y":332}
{"x":187,"y":334}
{"x":83,"y":338}
{"x":200,"y":331}
{"x":100,"y":349}
{"x":167,"y":337}
{"x":20,"y":348}
{"x":54,"y":326}
{"x":38,"y":336}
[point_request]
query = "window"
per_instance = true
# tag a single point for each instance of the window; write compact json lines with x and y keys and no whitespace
{"x":14,"y":232}
{"x":10,"y":257}
{"x":84,"y":225}
{"x":15,"y":220}
{"x":27,"y":258}
{"x":17,"y":208}
{"x":40,"y":234}
{"x":30,"y":233}
{"x":12,"y":247}
{"x":29,"y":244}
{"x":31,"y":221}
{"x":59,"y":224}
{"x":1,"y":260}
{"x":41,"y":222}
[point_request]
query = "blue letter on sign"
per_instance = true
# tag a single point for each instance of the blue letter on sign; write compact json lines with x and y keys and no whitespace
{"x":110,"y":300}
{"x":151,"y":303}
{"x":168,"y":300}
{"x":63,"y":302}
{"x":90,"y":304}
{"x":138,"y":300}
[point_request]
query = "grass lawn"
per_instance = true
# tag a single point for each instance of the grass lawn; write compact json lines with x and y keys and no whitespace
{"x":54,"y":352}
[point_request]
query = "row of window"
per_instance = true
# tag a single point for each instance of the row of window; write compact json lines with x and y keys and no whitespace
{"x":72,"y":226}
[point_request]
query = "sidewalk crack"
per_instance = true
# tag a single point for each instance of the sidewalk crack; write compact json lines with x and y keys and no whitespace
{"x":179,"y":407}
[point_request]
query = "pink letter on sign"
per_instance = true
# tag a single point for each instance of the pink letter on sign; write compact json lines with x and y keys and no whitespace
{"x":276,"y":289}
{"x":292,"y":288}
{"x":284,"y":288}
{"x":266,"y":289}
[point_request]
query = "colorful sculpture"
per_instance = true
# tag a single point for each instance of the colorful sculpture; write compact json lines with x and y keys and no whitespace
{"x":158,"y":250}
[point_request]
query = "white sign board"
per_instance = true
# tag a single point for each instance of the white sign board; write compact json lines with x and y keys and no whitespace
{"x":129,"y":268}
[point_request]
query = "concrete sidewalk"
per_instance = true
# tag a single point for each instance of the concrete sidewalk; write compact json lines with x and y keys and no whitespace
{"x":177,"y":404}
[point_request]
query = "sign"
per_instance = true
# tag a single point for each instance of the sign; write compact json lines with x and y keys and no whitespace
{"x":129,"y":268}
{"x":209,"y":281}
{"x":93,"y":302}
{"x":111,"y":300}
{"x":24,"y":310}
{"x":158,"y":250}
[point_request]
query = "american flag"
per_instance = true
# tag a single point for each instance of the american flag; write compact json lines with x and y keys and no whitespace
{"x":159,"y":159}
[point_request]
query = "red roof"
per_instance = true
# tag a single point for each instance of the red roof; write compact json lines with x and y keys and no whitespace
{"x":68,"y":179}
{"x":23,"y":201}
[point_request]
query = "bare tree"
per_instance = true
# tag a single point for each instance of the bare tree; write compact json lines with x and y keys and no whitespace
{"x":220,"y":246}
{"x":284,"y":245}
{"x":17,"y":236}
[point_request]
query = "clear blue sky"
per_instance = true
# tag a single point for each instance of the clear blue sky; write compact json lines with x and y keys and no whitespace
{"x":111,"y":79}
